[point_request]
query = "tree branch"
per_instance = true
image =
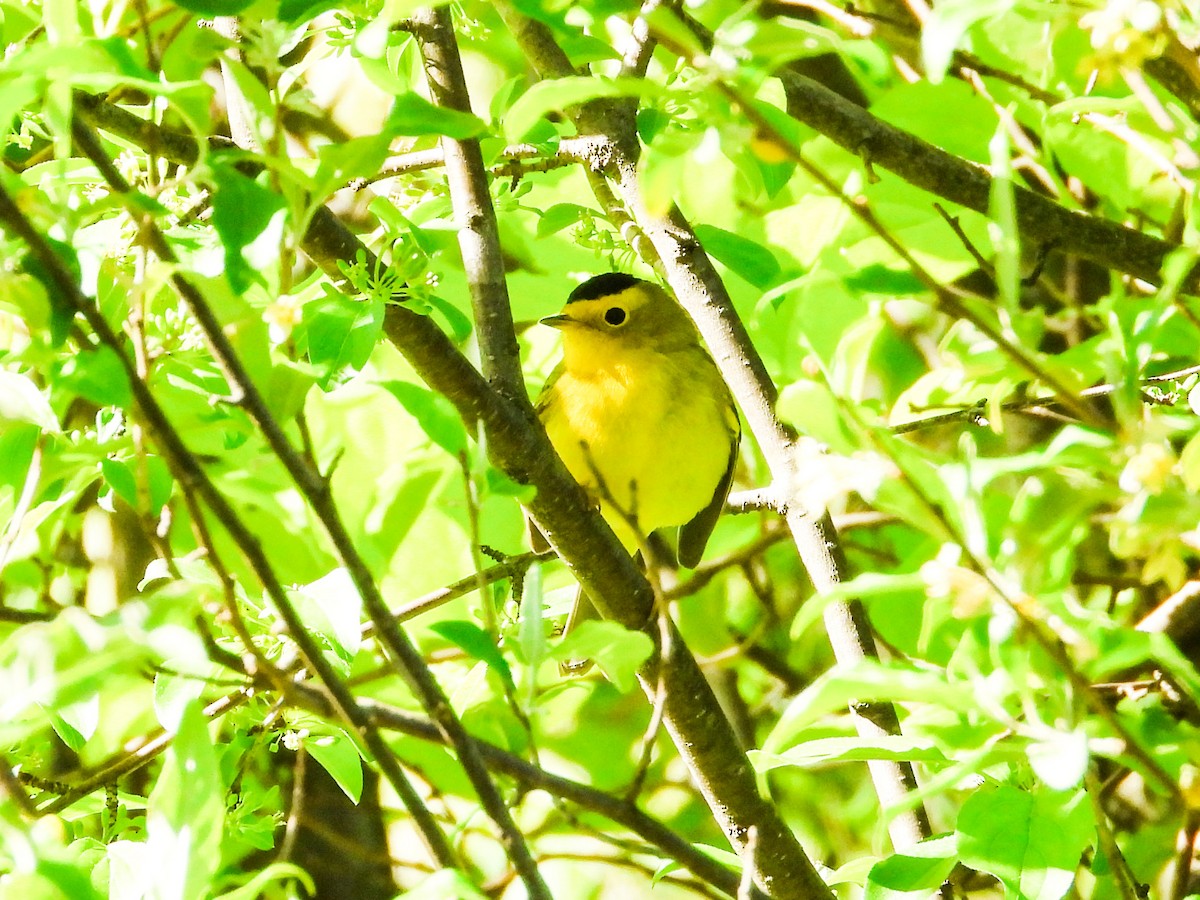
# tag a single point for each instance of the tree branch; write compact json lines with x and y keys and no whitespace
{"x":1039,"y":220}
{"x":192,"y":477}
{"x":518,"y":446}
{"x":532,"y":777}
{"x":315,"y":488}
{"x":699,"y":288}
{"x":478,"y":234}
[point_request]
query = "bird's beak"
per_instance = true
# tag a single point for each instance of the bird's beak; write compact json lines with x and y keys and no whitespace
{"x":557,"y":321}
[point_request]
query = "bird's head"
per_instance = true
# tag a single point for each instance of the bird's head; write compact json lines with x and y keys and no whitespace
{"x":615,"y":313}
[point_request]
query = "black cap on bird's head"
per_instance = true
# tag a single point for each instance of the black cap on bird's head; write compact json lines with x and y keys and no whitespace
{"x":618,"y":307}
{"x":605,"y":285}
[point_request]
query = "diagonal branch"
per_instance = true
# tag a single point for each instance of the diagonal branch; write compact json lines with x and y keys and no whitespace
{"x":533,"y":777}
{"x":478,"y":234}
{"x":192,"y":477}
{"x":315,"y":488}
{"x":1039,"y":220}
{"x":517,"y":445}
{"x":698,"y":287}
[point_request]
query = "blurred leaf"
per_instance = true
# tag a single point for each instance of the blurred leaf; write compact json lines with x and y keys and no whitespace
{"x":821,"y":751}
{"x":185,"y":813}
{"x":560,"y":216}
{"x":276,"y":871}
{"x":751,"y":260}
{"x":434,"y":413}
{"x":213,"y":8}
{"x":865,"y":682}
{"x":477,"y":643}
{"x":341,"y":334}
{"x":559,"y":94}
{"x":338,"y":755}
{"x":1003,"y":211}
{"x":341,"y":163}
{"x":414,"y":115}
{"x":731,"y":861}
{"x":1060,"y":760}
{"x":1030,"y":841}
{"x":777,"y":40}
{"x":250,"y":219}
{"x":945,"y":27}
{"x":96,"y":376}
{"x":616,"y":651}
{"x":949,"y":115}
{"x":446,"y":884}
{"x":332,"y":608}
{"x":21,"y":401}
{"x":532,"y":631}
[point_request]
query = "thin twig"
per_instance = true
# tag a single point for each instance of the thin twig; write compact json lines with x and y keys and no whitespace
{"x":532,"y":777}
{"x":315,"y":489}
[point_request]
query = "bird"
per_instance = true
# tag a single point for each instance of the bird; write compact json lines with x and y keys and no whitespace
{"x":639,"y":413}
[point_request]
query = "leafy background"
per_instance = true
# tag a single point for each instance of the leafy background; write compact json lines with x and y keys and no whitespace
{"x":986,"y":336}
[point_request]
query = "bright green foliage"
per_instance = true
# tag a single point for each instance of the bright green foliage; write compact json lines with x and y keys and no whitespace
{"x":1005,"y":550}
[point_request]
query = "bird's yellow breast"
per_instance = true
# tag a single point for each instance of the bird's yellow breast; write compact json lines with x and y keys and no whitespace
{"x":647,"y":431}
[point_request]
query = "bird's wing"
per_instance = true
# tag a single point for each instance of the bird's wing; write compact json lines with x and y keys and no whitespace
{"x":694,"y":535}
{"x":548,"y":394}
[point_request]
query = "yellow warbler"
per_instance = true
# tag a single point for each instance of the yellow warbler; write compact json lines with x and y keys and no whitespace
{"x":640,"y":415}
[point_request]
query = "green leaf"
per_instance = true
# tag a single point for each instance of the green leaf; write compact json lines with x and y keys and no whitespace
{"x":332,"y":608}
{"x":477,"y":643}
{"x":434,"y":413}
{"x":666,"y":24}
{"x":616,"y":651}
{"x":185,"y":813}
{"x":559,"y":94}
{"x":295,"y":12}
{"x":1030,"y":841}
{"x":864,"y":682}
{"x":947,"y":23}
{"x":532,"y":633}
{"x":257,"y":886}
{"x":922,"y":868}
{"x":777,"y":40}
{"x":559,"y":216}
{"x":822,"y":751}
{"x":751,"y":260}
{"x":251,"y":98}
{"x":341,"y":163}
{"x":459,"y":322}
{"x":412,"y":114}
{"x":96,"y":375}
{"x":21,"y":401}
{"x":338,"y":755}
{"x":378,"y":36}
{"x":950,"y":115}
{"x":249,"y":219}
{"x":173,"y":692}
{"x":75,"y":723}
{"x":120,"y":479}
{"x":341,"y":334}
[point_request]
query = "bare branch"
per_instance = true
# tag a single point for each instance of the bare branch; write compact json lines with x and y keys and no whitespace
{"x":478,"y":234}
{"x":193,"y":477}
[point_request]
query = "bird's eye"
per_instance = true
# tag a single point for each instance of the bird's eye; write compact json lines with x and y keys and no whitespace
{"x":614,"y":315}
